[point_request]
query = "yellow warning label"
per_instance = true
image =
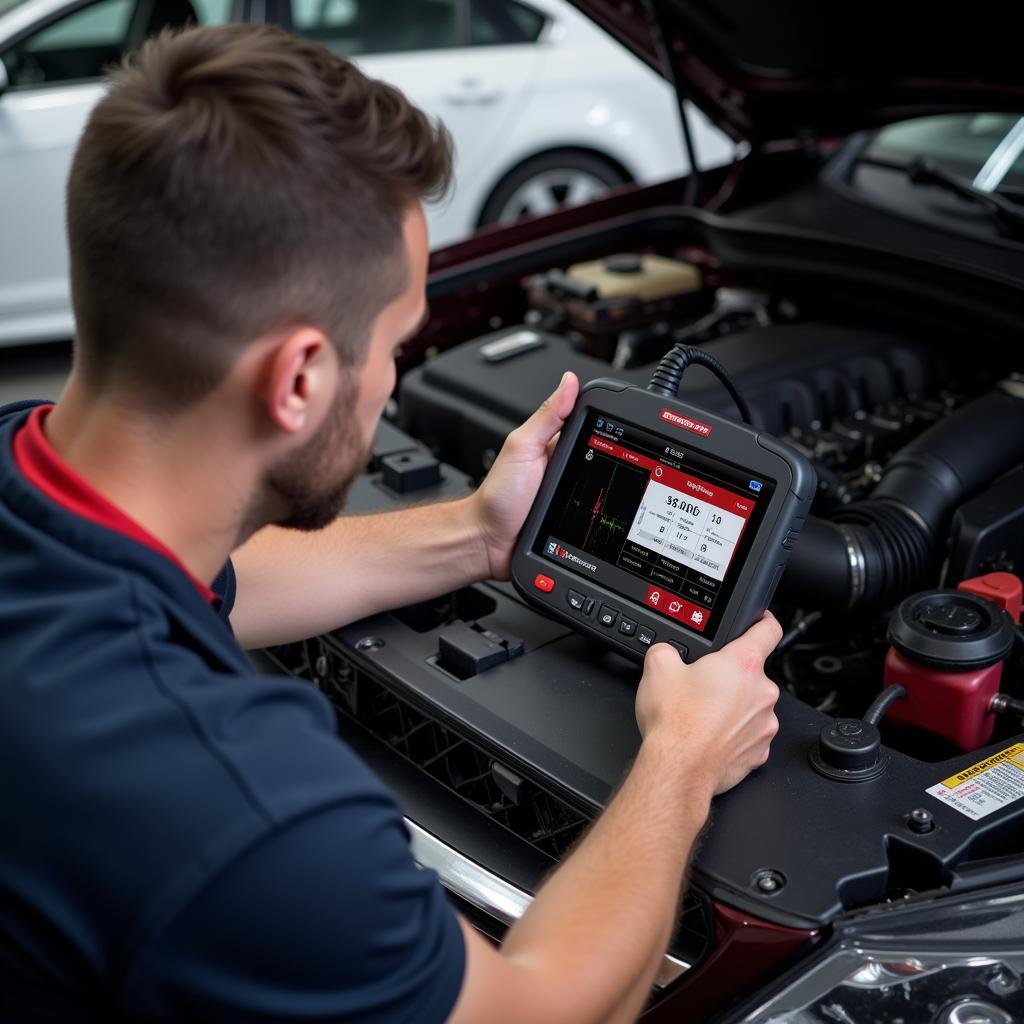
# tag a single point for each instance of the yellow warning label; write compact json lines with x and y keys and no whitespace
{"x":1014,"y":754}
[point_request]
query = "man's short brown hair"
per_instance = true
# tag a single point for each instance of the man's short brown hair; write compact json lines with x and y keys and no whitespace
{"x":233,"y":181}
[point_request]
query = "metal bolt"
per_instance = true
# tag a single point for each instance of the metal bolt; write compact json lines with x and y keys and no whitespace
{"x":369,"y":643}
{"x":973,"y":1010}
{"x":769,"y":882}
{"x":920,"y":821}
{"x":320,"y":668}
{"x":1003,"y":982}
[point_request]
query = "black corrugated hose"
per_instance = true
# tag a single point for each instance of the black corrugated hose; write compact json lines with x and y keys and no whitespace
{"x":878,"y":550}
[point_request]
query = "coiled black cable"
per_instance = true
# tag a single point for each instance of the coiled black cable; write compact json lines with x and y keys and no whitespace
{"x":666,"y":378}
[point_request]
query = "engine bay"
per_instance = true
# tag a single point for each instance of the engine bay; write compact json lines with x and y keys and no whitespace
{"x":849,"y":398}
{"x":907,"y":576}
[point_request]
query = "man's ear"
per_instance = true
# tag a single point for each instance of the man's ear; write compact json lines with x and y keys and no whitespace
{"x":300,"y":378}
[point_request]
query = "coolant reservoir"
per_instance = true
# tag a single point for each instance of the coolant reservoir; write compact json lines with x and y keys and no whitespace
{"x":632,"y":276}
{"x":947,"y":652}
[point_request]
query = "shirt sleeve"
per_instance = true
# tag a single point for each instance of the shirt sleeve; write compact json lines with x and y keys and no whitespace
{"x":328,"y":920}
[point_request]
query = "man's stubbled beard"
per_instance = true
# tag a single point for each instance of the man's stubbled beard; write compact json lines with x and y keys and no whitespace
{"x":313,"y":482}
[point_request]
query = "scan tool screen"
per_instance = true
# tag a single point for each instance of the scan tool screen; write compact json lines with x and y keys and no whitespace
{"x":654,"y":520}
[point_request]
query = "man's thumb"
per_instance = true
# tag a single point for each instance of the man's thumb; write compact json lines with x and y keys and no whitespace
{"x":549,"y":418}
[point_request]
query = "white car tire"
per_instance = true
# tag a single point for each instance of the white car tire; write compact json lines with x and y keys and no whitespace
{"x":544,"y":183}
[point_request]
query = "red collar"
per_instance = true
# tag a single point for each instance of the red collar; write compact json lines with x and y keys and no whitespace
{"x":44,"y":468}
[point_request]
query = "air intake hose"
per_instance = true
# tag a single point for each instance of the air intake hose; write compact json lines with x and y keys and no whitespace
{"x":878,"y":550}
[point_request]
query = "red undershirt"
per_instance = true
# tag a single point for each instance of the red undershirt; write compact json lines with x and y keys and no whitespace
{"x":45,"y":469}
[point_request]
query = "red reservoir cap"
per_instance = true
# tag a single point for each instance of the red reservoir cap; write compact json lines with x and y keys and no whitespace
{"x":1002,"y":588}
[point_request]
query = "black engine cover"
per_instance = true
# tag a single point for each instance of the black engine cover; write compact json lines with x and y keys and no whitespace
{"x":463,"y":406}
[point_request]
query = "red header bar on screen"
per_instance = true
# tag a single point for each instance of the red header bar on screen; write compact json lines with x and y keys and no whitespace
{"x":678,"y":481}
{"x":621,"y":453}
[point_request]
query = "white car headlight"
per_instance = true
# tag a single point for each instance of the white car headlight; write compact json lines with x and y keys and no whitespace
{"x":947,"y":962}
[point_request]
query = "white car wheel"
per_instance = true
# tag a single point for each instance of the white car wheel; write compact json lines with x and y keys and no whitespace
{"x":548,"y":182}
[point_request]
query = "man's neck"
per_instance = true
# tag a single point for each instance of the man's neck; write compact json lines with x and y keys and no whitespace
{"x":177,"y":479}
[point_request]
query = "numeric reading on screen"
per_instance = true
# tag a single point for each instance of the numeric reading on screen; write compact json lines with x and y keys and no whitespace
{"x":700,"y":535}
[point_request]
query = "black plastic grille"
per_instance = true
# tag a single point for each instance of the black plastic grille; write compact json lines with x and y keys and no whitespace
{"x":443,"y":753}
{"x":461,"y":766}
{"x":527,"y":810}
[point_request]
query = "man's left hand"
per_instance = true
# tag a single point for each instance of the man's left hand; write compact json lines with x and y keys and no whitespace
{"x":503,"y":500}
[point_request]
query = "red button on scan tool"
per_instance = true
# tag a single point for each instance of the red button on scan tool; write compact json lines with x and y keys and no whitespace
{"x":545,"y":583}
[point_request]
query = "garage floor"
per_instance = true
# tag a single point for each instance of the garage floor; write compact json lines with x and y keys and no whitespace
{"x":35,"y":371}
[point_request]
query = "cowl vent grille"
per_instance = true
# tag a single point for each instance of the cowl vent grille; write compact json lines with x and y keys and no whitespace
{"x":456,"y":762}
{"x":445,"y":754}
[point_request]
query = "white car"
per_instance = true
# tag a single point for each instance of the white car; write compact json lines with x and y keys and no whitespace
{"x":545,"y":109}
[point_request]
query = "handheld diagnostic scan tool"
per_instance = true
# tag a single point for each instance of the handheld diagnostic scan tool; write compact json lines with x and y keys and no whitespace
{"x":659,"y":521}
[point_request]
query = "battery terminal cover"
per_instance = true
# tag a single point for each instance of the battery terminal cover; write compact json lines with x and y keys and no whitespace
{"x":1002,"y":588}
{"x":466,"y":649}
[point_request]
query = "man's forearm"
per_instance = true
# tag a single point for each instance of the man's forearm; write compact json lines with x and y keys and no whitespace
{"x":293,"y":585}
{"x":631,"y":866}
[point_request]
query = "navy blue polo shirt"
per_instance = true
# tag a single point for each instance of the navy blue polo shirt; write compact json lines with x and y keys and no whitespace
{"x":180,"y":838}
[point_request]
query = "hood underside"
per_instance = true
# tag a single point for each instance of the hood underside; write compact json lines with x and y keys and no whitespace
{"x":793,"y":68}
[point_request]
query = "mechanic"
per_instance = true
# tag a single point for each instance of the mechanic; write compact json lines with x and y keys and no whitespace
{"x":183,"y":838}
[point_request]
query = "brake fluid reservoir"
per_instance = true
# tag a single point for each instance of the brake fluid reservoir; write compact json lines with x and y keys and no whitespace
{"x":947,"y":652}
{"x":637,"y":277}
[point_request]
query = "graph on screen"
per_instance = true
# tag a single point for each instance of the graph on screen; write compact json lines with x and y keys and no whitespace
{"x":600,"y":505}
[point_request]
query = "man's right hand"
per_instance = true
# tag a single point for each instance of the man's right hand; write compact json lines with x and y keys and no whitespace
{"x":589,"y":946}
{"x":718,"y":712}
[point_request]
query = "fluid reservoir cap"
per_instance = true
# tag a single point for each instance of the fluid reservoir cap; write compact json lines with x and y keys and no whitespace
{"x":951,"y":631}
{"x":624,"y":263}
{"x":849,"y":750}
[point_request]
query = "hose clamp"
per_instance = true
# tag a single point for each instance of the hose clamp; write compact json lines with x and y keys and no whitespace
{"x":858,"y":570}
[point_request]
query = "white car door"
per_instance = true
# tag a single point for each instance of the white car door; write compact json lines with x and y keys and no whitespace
{"x":454,"y":69}
{"x":54,"y":82}
{"x":38,"y":131}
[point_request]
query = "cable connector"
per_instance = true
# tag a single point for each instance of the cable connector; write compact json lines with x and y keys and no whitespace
{"x":1004,"y":704}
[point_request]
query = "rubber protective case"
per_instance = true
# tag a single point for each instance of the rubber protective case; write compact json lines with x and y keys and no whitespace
{"x":762,"y":454}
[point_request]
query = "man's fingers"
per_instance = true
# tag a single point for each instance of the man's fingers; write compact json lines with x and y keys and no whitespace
{"x":547,"y":421}
{"x":663,"y":656}
{"x":764,"y":636}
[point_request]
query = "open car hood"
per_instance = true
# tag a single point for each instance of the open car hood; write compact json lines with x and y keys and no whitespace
{"x":790,"y":68}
